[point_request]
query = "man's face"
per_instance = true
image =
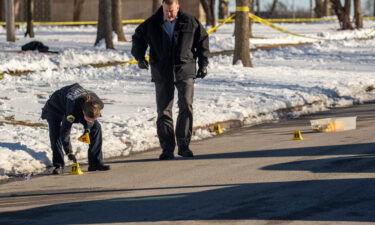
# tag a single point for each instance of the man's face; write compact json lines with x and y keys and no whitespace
{"x":170,"y":11}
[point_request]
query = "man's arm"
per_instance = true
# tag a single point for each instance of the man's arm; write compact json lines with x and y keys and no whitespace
{"x":65,"y":129}
{"x":139,"y":45}
{"x":201,"y":45}
{"x":66,"y":126}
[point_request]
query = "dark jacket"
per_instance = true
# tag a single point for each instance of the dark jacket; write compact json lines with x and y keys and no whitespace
{"x":172,"y":59}
{"x":65,"y":103}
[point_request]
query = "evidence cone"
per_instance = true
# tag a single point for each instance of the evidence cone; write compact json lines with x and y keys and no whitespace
{"x":85,"y":138}
{"x":217,"y":129}
{"x":297,"y":135}
{"x":76,"y":169}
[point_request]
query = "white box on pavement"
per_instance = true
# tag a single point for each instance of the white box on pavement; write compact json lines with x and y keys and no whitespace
{"x":334,"y":124}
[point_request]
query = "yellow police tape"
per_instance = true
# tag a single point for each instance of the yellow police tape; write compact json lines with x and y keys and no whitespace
{"x":267,"y":23}
{"x":300,"y":20}
{"x":133,"y":61}
{"x":210,"y":31}
{"x":255,"y":18}
{"x":242,"y":9}
{"x":238,"y":9}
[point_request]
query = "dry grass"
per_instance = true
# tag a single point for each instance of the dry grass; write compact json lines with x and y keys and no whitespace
{"x":10,"y":120}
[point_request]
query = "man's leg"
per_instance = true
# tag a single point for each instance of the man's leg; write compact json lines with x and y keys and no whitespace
{"x":164,"y":123}
{"x":56,"y":144}
{"x":185,"y":116}
{"x":95,"y":154}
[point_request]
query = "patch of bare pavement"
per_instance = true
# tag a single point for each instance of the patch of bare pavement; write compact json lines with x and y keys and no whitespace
{"x":254,"y":175}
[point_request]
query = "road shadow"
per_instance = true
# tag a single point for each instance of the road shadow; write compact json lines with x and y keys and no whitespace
{"x":332,"y":150}
{"x":339,"y":200}
{"x":348,"y":164}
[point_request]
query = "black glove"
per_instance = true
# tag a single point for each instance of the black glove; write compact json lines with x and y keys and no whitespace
{"x":202,"y":72}
{"x":72,"y":157}
{"x":143,"y":64}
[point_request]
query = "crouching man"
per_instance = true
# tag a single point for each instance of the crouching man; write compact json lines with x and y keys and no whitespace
{"x":68,"y":105}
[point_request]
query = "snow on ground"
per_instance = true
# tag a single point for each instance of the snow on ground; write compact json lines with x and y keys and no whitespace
{"x":333,"y":73}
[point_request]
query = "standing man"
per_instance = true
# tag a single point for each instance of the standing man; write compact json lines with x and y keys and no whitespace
{"x":176,"y":40}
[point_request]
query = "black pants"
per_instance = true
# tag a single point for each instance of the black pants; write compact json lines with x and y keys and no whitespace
{"x":164,"y":102}
{"x":95,"y":155}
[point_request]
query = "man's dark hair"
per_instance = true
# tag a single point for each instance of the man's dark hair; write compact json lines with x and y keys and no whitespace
{"x":170,"y":2}
{"x":91,"y":108}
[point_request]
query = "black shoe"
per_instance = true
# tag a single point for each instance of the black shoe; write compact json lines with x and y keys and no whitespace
{"x":100,"y":167}
{"x":166,"y":155}
{"x":185,"y":152}
{"x":58,"y":170}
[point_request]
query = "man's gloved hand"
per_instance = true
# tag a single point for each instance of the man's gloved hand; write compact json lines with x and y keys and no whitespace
{"x":202,"y":72}
{"x":143,"y":64}
{"x":72,"y":157}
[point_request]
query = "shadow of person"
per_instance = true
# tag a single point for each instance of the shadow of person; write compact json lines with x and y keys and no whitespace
{"x":334,"y":200}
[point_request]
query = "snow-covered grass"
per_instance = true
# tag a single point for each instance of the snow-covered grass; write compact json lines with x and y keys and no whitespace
{"x":333,"y":73}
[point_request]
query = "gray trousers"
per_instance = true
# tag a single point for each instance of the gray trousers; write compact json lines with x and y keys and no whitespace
{"x":164,"y":102}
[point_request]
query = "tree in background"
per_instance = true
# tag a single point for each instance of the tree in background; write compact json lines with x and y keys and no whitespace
{"x":251,"y":7}
{"x":223,"y":9}
{"x":2,"y":10}
{"x":258,"y":7}
{"x":209,"y":9}
{"x":10,"y":21}
{"x":369,"y":8}
{"x":272,"y":8}
{"x":77,"y":11}
{"x":343,"y":13}
{"x":323,"y":8}
{"x":117,"y":19}
{"x":156,"y":5}
{"x":104,"y":30}
{"x":319,"y":8}
{"x":358,"y":17}
{"x":30,"y":19}
{"x":242,"y":49}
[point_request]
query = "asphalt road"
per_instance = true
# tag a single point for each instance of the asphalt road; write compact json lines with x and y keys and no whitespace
{"x":255,"y":175}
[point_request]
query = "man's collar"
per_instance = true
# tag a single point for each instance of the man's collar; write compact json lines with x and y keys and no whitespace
{"x":165,"y":19}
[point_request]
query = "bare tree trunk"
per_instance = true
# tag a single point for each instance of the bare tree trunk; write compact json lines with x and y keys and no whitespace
{"x":105,"y":24}
{"x":241,"y":49}
{"x":358,"y":14}
{"x":272,"y":9}
{"x":2,"y":16}
{"x":117,"y":19}
{"x":223,"y":9}
{"x":251,"y":7}
{"x":343,"y":14}
{"x":209,"y":10}
{"x":30,"y":19}
{"x":78,"y":6}
{"x":10,"y":21}
{"x":328,"y":8}
{"x":319,"y":8}
{"x":258,"y":7}
{"x":347,"y":9}
{"x":156,"y":5}
{"x":212,"y":8}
